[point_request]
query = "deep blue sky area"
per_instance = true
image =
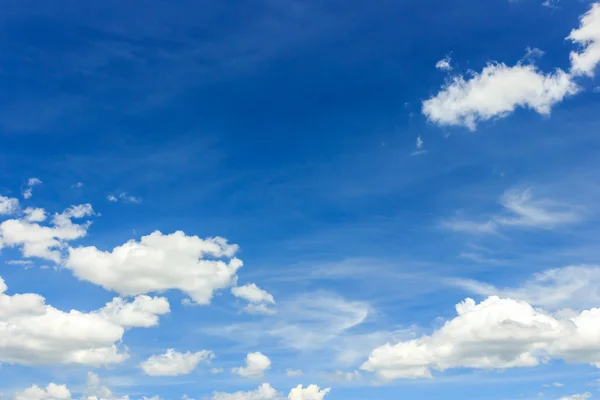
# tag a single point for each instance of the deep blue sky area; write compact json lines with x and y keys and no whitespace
{"x":377,"y":163}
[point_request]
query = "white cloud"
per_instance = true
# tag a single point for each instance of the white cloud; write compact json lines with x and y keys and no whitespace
{"x":494,"y":334}
{"x":543,"y":213}
{"x":267,"y":392}
{"x":293,"y":372}
{"x":574,"y":287}
{"x":419,"y":147}
{"x":256,"y":365}
{"x":160,"y":262}
{"x":173,"y":363}
{"x":258,"y":298}
{"x":216,"y":371}
{"x":582,"y":396}
{"x":143,"y":312}
{"x":34,"y":333}
{"x":34,"y":214}
{"x":45,"y":242}
{"x":52,"y":392}
{"x":557,"y":384}
{"x":444,"y":64}
{"x":496,"y":92}
{"x":8,"y":205}
{"x":94,"y":390}
{"x":345,"y":376}
{"x":263,"y":392}
{"x":28,"y":191}
{"x":533,"y":52}
{"x":311,"y":392}
{"x":112,"y":198}
{"x":588,"y":37}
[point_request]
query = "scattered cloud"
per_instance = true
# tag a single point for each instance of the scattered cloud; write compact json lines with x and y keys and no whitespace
{"x":419,"y":147}
{"x":160,"y":262}
{"x":77,"y":185}
{"x":582,"y":396}
{"x":345,"y":376}
{"x":216,"y":371}
{"x":588,"y":37}
{"x":531,"y":53}
{"x":256,"y":365}
{"x":123,"y":197}
{"x":35,"y":214}
{"x":52,"y":392}
{"x":293,"y":372}
{"x":258,"y":299}
{"x":497,"y":333}
{"x":31,"y":183}
{"x":444,"y":64}
{"x":173,"y":363}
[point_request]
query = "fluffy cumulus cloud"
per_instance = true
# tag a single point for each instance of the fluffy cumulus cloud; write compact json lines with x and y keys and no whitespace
{"x":51,"y":392}
{"x":494,"y":334}
{"x":267,"y":392}
{"x":34,"y":333}
{"x":496,"y":92}
{"x":173,"y":363}
{"x":584,"y":62}
{"x":45,"y":241}
{"x":444,"y":64}
{"x":158,"y":263}
{"x":259,"y":300}
{"x":256,"y":365}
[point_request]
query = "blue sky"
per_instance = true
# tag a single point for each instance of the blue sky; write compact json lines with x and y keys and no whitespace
{"x":303,"y":200}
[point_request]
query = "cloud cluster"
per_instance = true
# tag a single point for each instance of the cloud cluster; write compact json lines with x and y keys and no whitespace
{"x":94,"y":390}
{"x":267,"y":392}
{"x":498,"y":89}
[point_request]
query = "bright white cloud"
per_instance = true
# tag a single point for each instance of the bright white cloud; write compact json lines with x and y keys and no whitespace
{"x":588,"y":37}
{"x":52,"y":392}
{"x":173,"y":363}
{"x":494,"y":334}
{"x":574,"y":287}
{"x":143,"y":312}
{"x":8,"y":205}
{"x":496,"y":92}
{"x":256,"y":365}
{"x":160,"y":262}
{"x":35,"y":240}
{"x":258,"y":298}
{"x":95,"y":390}
{"x":124,"y":198}
{"x":311,"y":392}
{"x":34,"y":333}
{"x":444,"y":64}
{"x":267,"y":392}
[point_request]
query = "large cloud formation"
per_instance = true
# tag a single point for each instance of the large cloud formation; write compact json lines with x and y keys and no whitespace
{"x":33,"y":333}
{"x":494,"y":334}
